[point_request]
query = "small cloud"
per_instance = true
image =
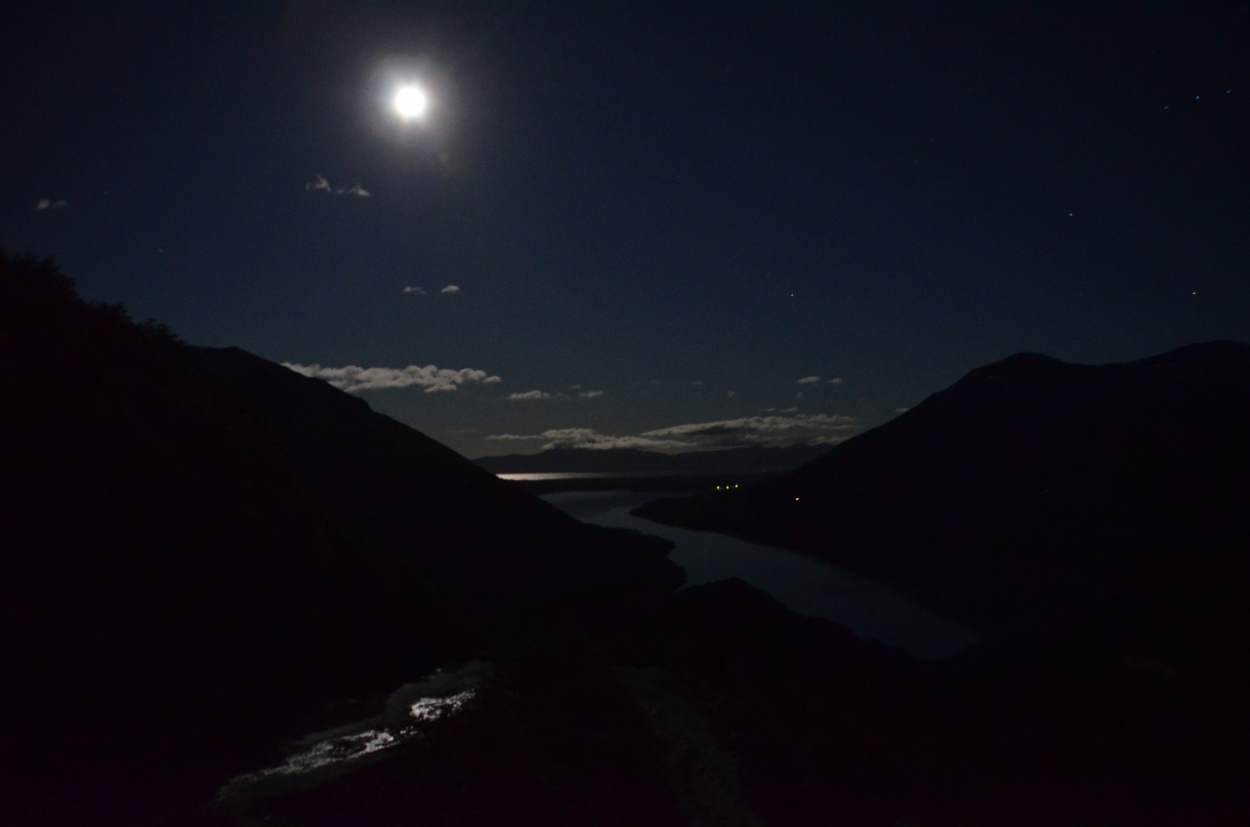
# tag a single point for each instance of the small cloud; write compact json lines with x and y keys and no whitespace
{"x":799,"y":395}
{"x":809,"y":380}
{"x":698,"y":383}
{"x":529,"y":396}
{"x":450,"y":289}
{"x":415,"y":291}
{"x":837,"y":380}
{"x":432,"y":379}
{"x":730,"y":394}
{"x":49,"y":204}
{"x":537,"y":395}
{"x":321,"y":184}
{"x":901,"y":410}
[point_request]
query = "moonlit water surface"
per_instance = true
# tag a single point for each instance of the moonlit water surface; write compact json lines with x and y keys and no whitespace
{"x":871,"y":609}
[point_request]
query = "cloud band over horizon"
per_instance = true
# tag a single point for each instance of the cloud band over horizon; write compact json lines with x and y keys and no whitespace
{"x":821,"y":429}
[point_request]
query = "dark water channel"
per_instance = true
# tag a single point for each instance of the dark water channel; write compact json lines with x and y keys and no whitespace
{"x":871,"y":609}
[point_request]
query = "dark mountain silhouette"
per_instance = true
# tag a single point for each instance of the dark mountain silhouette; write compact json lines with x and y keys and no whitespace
{"x":1032,"y":487}
{"x":200,"y":547}
{"x":746,"y":460}
{"x":1091,"y":519}
{"x":203,"y":553}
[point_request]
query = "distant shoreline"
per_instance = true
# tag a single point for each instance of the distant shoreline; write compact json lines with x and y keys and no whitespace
{"x":692,"y":483}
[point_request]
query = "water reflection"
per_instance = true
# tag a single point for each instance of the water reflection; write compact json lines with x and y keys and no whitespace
{"x":579,"y":475}
{"x":871,"y":609}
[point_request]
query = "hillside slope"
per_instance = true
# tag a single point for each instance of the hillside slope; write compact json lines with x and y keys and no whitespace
{"x":200,"y":547}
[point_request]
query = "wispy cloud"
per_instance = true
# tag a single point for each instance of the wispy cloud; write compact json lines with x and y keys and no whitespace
{"x":320,"y":184}
{"x":449,"y":290}
{"x":317,"y":183}
{"x":816,"y":380}
{"x":764,"y":430}
{"x":529,"y":396}
{"x":537,"y":395}
{"x":49,"y":204}
{"x":432,"y":379}
{"x":821,"y":429}
{"x":591,"y":439}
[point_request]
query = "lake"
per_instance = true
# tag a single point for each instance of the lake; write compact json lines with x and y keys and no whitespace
{"x":873,"y":610}
{"x":581,"y":475}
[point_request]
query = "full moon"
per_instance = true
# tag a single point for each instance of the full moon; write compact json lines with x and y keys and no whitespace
{"x":409,"y":102}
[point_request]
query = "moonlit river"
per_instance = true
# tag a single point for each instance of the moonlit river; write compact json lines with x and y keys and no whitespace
{"x":808,"y":586}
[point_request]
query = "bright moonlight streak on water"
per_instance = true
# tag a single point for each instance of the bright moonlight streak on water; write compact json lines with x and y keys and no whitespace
{"x":409,"y":102}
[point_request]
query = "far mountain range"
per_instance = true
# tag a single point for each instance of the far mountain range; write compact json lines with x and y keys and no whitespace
{"x":744,"y":460}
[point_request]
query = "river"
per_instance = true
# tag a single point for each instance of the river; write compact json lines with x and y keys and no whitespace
{"x":873,"y":610}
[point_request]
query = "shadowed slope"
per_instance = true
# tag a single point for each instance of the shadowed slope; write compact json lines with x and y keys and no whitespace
{"x":497,"y":546}
{"x":1093,"y":520}
{"x":1029,"y":487}
{"x":200,"y":546}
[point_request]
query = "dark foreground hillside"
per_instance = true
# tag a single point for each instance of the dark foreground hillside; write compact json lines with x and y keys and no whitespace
{"x":1093,"y":521}
{"x":199,"y":547}
{"x":231,"y":595}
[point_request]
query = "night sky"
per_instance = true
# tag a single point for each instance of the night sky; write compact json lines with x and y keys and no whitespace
{"x":619,"y":223}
